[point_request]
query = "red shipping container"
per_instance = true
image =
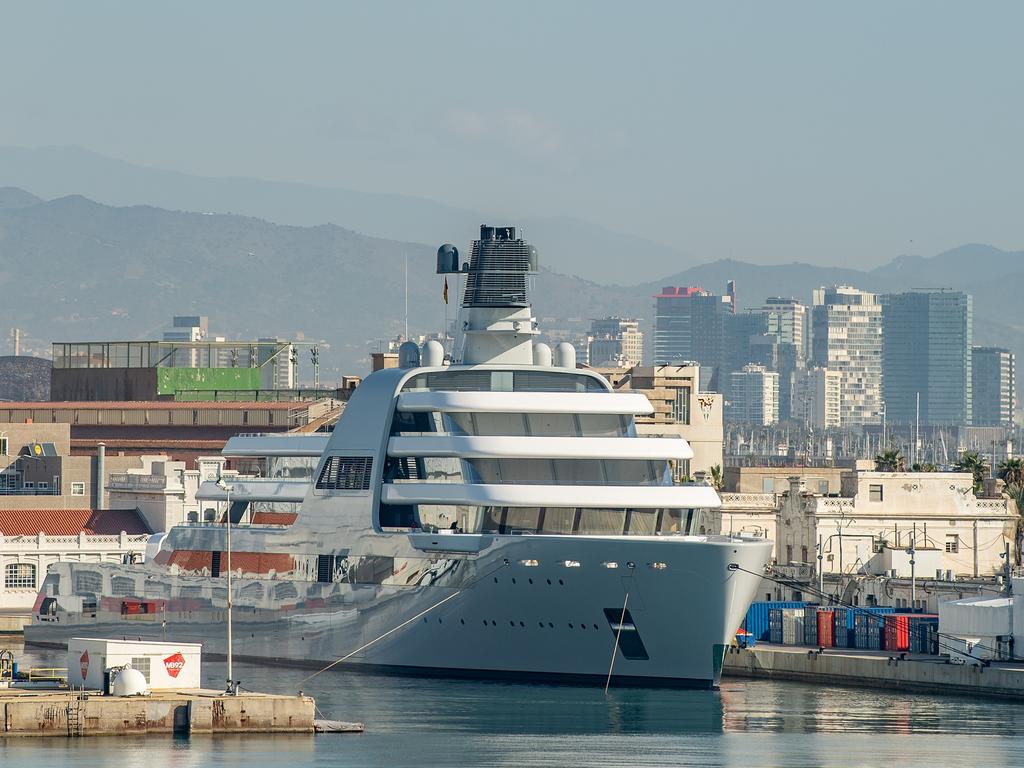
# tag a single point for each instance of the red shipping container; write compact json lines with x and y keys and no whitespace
{"x":826,"y":631}
{"x":897,"y":632}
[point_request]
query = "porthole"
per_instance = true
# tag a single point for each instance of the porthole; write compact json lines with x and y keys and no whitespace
{"x":530,"y":581}
{"x":462,"y":621}
{"x":550,"y":625}
{"x":494,"y":623}
{"x":549,"y":582}
{"x":561,"y":583}
{"x":521,"y":624}
{"x":540,"y":624}
{"x":571,"y":626}
{"x":511,"y":623}
{"x":485,"y":622}
{"x":513,"y":579}
{"x":495,"y":579}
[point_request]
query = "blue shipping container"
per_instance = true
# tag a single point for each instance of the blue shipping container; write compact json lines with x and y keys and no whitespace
{"x":756,"y":622}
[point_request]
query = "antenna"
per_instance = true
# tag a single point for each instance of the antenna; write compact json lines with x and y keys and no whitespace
{"x":406,"y":295}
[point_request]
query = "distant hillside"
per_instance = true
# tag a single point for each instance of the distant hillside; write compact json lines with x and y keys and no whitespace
{"x":567,"y":245}
{"x":73,"y":269}
{"x":24,"y":378}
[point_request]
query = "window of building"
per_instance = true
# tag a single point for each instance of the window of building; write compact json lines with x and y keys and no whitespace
{"x":42,"y":484}
{"x":3,"y":446}
{"x":803,"y":555}
{"x":767,"y":485}
{"x":823,"y":487}
{"x":30,"y":485}
{"x":19,"y":576}
{"x":874,"y":492}
{"x":789,"y":553}
{"x":78,"y":489}
{"x":681,"y":406}
{"x":952,"y":543}
{"x":141,"y":663}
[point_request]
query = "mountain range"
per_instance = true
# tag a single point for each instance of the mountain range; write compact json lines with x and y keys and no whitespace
{"x":569,"y":245}
{"x":73,"y":269}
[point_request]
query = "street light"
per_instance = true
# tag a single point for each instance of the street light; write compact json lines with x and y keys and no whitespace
{"x":232,"y":688}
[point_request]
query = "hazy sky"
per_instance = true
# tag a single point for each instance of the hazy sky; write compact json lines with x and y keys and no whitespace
{"x":767,"y":131}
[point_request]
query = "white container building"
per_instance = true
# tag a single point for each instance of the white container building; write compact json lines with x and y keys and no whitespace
{"x":166,"y":666}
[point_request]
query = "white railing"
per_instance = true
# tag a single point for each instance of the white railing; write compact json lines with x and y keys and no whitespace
{"x":123,"y":480}
{"x":748,"y":501}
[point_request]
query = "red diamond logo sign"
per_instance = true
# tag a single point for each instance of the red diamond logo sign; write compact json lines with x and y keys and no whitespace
{"x":84,"y":662}
{"x":174,"y":664}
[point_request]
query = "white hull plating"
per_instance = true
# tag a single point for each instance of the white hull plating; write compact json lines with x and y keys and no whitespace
{"x":532,"y":621}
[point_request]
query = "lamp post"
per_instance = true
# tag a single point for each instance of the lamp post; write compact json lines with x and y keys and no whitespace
{"x":231,"y":689}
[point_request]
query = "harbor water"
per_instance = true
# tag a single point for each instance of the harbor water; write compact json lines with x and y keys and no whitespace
{"x":430,"y":722}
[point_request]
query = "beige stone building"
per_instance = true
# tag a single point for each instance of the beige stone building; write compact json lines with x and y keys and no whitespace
{"x":878,"y":511}
{"x":680,"y":408}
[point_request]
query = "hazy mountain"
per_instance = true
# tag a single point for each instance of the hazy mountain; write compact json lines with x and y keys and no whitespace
{"x":24,"y":378}
{"x":72,"y":270}
{"x":566,"y":245}
{"x":12,"y":197}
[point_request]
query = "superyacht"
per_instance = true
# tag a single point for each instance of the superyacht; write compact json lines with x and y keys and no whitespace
{"x":489,"y":513}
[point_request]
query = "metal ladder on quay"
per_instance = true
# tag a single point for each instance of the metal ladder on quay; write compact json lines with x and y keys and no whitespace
{"x":74,"y":712}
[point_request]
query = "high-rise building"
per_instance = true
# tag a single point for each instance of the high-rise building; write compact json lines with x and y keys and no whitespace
{"x":846,"y":328}
{"x":754,"y":395}
{"x":188,"y":328}
{"x":787,"y":319}
{"x":993,"y":374}
{"x":690,"y":326}
{"x":616,"y":341}
{"x":816,"y":397}
{"x":926,"y":354}
{"x":277,"y":363}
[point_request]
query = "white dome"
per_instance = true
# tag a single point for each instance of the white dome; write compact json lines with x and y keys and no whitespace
{"x":129,"y":682}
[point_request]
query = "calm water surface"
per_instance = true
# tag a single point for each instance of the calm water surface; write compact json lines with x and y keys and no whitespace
{"x":423,"y":722}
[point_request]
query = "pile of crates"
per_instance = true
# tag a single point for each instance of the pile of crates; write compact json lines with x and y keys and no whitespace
{"x":869,"y":628}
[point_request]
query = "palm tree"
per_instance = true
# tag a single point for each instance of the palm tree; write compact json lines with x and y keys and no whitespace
{"x":924,"y":466}
{"x":975,"y":463}
{"x":1012,"y":472}
{"x":890,"y":461}
{"x":717,"y":478}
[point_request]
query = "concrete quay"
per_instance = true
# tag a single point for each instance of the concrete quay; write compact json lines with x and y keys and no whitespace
{"x":869,"y":669}
{"x":73,"y":713}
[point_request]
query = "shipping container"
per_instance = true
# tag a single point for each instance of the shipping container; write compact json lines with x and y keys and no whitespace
{"x":826,"y":628}
{"x":164,"y":665}
{"x":896,"y":636}
{"x":775,"y":626}
{"x":923,"y":633}
{"x":811,"y":624}
{"x":757,"y":621}
{"x":792,"y":626}
{"x":842,"y":636}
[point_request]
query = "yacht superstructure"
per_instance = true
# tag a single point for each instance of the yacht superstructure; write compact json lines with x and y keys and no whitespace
{"x":494,"y":515}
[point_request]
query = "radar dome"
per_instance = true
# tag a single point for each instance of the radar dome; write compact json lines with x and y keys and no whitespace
{"x":447,"y":259}
{"x":129,"y":682}
{"x":542,"y":354}
{"x":408,"y":355}
{"x":433,"y":354}
{"x":565,"y":355}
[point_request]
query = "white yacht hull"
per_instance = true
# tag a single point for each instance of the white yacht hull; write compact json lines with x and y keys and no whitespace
{"x":495,"y":615}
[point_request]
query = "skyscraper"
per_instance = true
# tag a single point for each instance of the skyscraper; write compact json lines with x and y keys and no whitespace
{"x":690,"y":325}
{"x":755,"y":396}
{"x":926,"y":351}
{"x":847,"y":337}
{"x":817,"y":397}
{"x":787,"y":319}
{"x":993,"y":374}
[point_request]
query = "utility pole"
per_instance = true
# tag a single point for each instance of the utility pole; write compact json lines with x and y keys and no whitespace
{"x":913,"y":575}
{"x":821,"y":568}
{"x":232,"y":688}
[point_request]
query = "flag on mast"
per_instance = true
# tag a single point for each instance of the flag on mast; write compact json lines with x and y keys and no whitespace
{"x":444,"y":295}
